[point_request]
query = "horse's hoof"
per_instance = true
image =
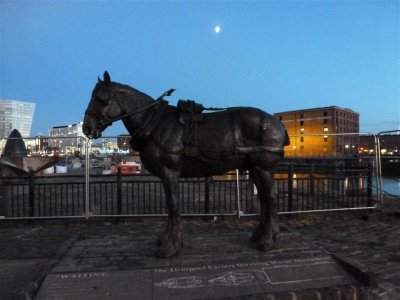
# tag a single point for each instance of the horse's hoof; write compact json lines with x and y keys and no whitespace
{"x":166,"y":253}
{"x":265,"y":244}
{"x":168,"y":250}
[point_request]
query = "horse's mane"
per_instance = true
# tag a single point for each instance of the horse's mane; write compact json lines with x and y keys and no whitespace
{"x":126,"y":89}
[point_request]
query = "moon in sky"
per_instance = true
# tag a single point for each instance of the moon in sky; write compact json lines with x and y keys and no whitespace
{"x":217,"y":29}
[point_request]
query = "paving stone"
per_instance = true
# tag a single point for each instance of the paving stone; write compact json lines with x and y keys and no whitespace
{"x":223,"y":279}
{"x":370,"y":245}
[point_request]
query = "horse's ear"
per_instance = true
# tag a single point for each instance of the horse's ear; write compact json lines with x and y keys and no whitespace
{"x":106,"y":77}
{"x":98,"y":79}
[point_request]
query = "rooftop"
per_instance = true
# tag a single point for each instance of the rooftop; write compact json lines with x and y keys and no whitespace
{"x":318,"y":109}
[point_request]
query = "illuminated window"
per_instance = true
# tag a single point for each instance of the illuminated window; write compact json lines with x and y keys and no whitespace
{"x":301,"y":130}
{"x":325,"y":138}
{"x":325,"y":129}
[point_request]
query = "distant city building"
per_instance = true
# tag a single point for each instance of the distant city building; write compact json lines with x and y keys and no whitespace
{"x":40,"y":144}
{"x":310,"y":129}
{"x":67,"y":138}
{"x":123,"y":142}
{"x":389,"y":144}
{"x":16,"y":115}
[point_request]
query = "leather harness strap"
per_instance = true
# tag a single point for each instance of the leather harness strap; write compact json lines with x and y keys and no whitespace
{"x":254,"y":149}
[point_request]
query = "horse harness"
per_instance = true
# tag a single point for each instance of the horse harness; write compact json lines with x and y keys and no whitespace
{"x":190,"y":116}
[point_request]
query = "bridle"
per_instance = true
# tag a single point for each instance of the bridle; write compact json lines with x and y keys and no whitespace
{"x":107,"y":121}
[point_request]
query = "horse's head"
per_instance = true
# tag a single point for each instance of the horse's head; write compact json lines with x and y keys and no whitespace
{"x":103,"y":108}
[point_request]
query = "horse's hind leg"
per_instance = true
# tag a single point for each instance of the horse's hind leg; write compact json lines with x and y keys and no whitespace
{"x":171,"y":240}
{"x":266,"y":233}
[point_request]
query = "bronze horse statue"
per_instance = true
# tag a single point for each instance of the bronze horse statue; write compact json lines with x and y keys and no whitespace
{"x":171,"y":148}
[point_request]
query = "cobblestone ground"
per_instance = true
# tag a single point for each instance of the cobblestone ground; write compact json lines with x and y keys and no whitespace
{"x":368,"y":240}
{"x":365,"y":241}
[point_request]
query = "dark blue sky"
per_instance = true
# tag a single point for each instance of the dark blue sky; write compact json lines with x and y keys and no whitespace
{"x":275,"y":55}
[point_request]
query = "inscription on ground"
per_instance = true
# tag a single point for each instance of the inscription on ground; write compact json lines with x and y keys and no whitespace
{"x":197,"y":281}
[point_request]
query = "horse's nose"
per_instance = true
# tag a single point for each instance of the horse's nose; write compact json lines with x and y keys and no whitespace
{"x":87,"y":130}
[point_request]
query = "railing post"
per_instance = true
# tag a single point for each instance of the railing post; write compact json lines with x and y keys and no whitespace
{"x":31,"y":194}
{"x":119,"y":191}
{"x":3,"y":200}
{"x":312,"y":175}
{"x":207,"y":195}
{"x":369,"y":181}
{"x":378,"y":166}
{"x":239,"y":209}
{"x":290,"y":188}
{"x":87,"y":177}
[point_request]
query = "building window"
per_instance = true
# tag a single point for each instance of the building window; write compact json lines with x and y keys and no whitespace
{"x":280,"y":118}
{"x":325,"y":129}
{"x":301,"y":130}
{"x":301,"y":116}
{"x":302,"y":139}
{"x":325,"y":121}
{"x":301,"y":123}
{"x":325,"y":138}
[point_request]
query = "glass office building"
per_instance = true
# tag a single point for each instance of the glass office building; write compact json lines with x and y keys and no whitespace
{"x":16,"y":115}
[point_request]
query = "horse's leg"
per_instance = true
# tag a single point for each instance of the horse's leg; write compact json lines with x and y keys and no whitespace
{"x":171,"y":241}
{"x":266,"y":232}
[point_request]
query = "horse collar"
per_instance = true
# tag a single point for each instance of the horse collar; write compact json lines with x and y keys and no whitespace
{"x":154,"y":104}
{"x":151,"y":119}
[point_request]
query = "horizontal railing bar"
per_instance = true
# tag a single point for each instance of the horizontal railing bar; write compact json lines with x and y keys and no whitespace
{"x":315,"y":211}
{"x":41,"y":218}
{"x":326,"y":210}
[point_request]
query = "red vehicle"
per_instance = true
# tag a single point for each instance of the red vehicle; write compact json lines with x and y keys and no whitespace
{"x":127,"y":168}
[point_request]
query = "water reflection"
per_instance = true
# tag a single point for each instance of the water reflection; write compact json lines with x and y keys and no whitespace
{"x":391,"y":185}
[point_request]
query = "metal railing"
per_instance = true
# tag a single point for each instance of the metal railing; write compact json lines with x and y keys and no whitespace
{"x":300,"y":188}
{"x":379,"y":165}
{"x":117,"y":195}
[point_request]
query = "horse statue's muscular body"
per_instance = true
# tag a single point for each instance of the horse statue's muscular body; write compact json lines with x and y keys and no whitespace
{"x":235,"y":138}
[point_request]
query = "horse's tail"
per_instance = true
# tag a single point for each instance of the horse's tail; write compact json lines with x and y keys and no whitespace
{"x":273,"y":135}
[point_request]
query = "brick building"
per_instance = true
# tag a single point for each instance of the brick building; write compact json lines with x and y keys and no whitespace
{"x":321,"y":131}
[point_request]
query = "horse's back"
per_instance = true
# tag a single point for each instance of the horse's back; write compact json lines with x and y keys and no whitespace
{"x":242,"y":127}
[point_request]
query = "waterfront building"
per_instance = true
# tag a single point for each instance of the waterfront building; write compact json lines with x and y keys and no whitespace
{"x":322,"y":131}
{"x":16,"y":115}
{"x":37,"y":145}
{"x":389,"y":144}
{"x":68,"y":139}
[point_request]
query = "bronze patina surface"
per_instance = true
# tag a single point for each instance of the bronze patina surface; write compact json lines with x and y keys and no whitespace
{"x":178,"y":142}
